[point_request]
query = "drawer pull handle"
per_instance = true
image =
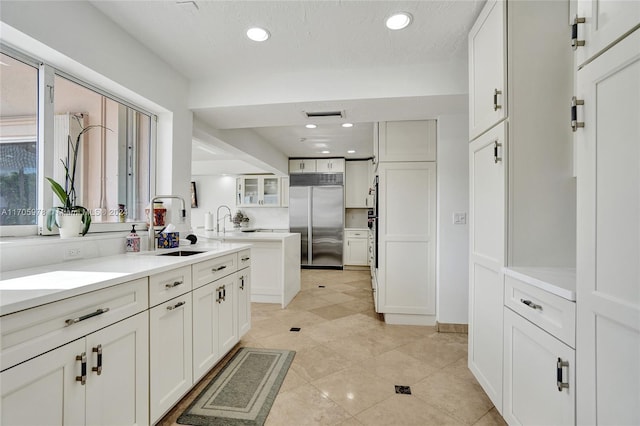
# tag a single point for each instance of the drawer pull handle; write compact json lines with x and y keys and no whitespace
{"x":242,"y":282}
{"x":220,"y":268}
{"x":559,"y":365}
{"x":82,"y":378}
{"x":174,"y":284}
{"x":176,"y":306}
{"x":244,"y":259}
{"x":530,"y":304}
{"x":496,"y":92}
{"x":219,"y":293}
{"x":98,"y":350}
{"x":72,"y":321}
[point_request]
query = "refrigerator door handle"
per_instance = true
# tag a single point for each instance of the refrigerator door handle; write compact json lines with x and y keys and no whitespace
{"x":310,"y":227}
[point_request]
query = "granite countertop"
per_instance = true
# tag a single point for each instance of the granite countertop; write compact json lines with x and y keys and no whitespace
{"x":26,"y":288}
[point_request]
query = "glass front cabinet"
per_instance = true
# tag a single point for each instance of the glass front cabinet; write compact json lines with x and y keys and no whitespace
{"x":258,"y":191}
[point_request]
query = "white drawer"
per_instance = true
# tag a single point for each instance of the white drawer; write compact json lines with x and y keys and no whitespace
{"x":354,"y":234}
{"x":211,"y":270}
{"x":168,"y":285}
{"x":31,"y":332}
{"x":244,"y":259}
{"x":552,"y":313}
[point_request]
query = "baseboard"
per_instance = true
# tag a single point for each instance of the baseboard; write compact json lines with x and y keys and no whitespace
{"x":409,"y":319}
{"x":356,"y":268}
{"x":452,"y":328}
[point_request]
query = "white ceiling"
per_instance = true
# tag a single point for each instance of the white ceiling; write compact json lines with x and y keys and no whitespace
{"x":333,"y":44}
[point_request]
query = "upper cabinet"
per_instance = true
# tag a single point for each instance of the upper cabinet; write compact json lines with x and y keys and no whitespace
{"x":600,"y":23}
{"x":406,"y":141}
{"x":357,"y":184}
{"x":258,"y":191}
{"x":487,"y":69}
{"x":321,"y":165}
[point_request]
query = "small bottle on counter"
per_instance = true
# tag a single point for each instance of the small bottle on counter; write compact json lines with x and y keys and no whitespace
{"x":133,"y":240}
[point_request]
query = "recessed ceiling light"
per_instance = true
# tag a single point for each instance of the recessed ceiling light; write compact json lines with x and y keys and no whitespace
{"x":310,"y":126}
{"x":258,"y":34}
{"x":398,"y":21}
{"x":351,"y":151}
{"x":326,"y":152}
{"x":347,"y":124}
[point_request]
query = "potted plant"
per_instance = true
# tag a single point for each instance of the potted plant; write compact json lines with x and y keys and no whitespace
{"x":71,"y":218}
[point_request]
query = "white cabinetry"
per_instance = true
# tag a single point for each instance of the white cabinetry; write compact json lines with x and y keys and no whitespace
{"x":330,"y":165}
{"x":100,"y":379}
{"x":608,"y":301}
{"x":407,"y":140}
{"x":355,"y":247}
{"x":487,"y":69}
{"x":284,"y":193}
{"x":302,"y":166}
{"x":522,"y":205}
{"x":406,"y":242}
{"x":243,"y":293}
{"x":258,"y":191}
{"x":170,"y":360}
{"x":356,"y":183}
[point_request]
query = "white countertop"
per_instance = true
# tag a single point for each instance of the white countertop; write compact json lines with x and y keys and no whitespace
{"x":27,"y":288}
{"x":559,"y":281}
{"x":245,"y":236}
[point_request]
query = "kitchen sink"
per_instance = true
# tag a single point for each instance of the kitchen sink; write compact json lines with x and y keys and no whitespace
{"x":181,"y":253}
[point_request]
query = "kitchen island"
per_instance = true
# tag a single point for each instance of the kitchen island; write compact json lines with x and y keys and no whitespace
{"x":275,"y":262}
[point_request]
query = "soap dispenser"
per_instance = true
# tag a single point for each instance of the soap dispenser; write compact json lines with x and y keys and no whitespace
{"x":133,"y":240}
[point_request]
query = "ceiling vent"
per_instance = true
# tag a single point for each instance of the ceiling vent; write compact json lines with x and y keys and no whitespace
{"x":324,"y":114}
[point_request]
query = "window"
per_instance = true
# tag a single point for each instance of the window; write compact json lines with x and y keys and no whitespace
{"x":18,"y":142}
{"x":114,"y":162}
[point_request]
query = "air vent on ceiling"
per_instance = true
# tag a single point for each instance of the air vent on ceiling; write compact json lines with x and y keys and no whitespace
{"x":323,"y":114}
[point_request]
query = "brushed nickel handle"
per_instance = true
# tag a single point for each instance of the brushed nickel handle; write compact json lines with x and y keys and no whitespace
{"x":98,"y":368}
{"x":560,"y":364}
{"x":176,"y":306}
{"x":496,"y":92}
{"x":530,"y":304}
{"x":219,"y":268}
{"x":72,"y":321}
{"x":242,"y":282}
{"x":244,"y":259}
{"x":82,"y":378}
{"x":174,"y":284}
{"x":575,"y":43}
{"x":575,"y":103}
{"x":496,"y":157}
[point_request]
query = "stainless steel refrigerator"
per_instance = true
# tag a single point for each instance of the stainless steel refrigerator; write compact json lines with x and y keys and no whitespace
{"x":316,"y":212}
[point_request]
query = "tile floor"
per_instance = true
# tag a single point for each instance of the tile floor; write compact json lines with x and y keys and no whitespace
{"x":348,"y":362}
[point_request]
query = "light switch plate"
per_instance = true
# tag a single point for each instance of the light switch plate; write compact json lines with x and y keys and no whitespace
{"x":460,"y":218}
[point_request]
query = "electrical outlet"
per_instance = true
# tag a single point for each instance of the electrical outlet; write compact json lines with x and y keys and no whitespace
{"x":460,"y":218}
{"x":72,"y":253}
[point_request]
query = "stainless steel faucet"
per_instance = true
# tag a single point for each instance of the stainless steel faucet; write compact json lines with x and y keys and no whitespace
{"x":218,"y":218}
{"x":152,"y":216}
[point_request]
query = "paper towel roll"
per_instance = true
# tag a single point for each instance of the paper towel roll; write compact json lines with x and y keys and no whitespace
{"x":208,"y":221}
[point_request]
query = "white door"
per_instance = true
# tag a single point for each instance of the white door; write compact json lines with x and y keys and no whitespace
{"x":608,"y":249}
{"x":44,"y":390}
{"x":604,"y":22}
{"x":205,"y":328}
{"x":118,"y":373}
{"x":244,"y":301}
{"x":227,"y":319}
{"x":170,"y":357}
{"x":531,"y":373}
{"x":411,"y":140}
{"x":487,"y":157}
{"x":487,"y":68}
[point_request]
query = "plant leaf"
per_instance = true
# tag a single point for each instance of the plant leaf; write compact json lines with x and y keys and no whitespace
{"x":59,"y":191}
{"x":51,"y":218}
{"x":86,"y":219}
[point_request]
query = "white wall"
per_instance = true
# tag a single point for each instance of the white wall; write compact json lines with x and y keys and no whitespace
{"x":453,"y":240}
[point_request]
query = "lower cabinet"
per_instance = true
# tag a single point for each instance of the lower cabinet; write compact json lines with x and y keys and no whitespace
{"x":539,"y":375}
{"x":356,"y":248}
{"x":102,"y":378}
{"x":170,"y":357}
{"x":215,"y":327}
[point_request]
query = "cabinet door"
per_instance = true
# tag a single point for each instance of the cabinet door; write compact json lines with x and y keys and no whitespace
{"x":270,"y":191}
{"x":487,"y":75}
{"x":44,"y":390}
{"x":356,"y":182}
{"x":170,"y":358}
{"x":244,"y":301}
{"x":227,"y":318}
{"x":356,"y":251}
{"x":531,"y":373}
{"x":407,"y":140}
{"x":284,"y":193}
{"x":605,"y":22}
{"x":250,"y":191}
{"x":205,"y":328}
{"x":407,"y":232}
{"x":118,"y":370}
{"x":302,"y":166}
{"x":487,"y":257}
{"x":330,"y":165}
{"x":608,"y":246}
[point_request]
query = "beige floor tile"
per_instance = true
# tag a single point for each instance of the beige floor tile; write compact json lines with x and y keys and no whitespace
{"x":398,"y":368}
{"x":292,"y":380}
{"x":294,"y":341}
{"x":361,"y":346}
{"x":333,"y":312}
{"x":492,"y":418}
{"x":305,"y":405}
{"x":355,"y":389}
{"x":341,"y":327}
{"x":337,"y":297}
{"x":405,"y":410}
{"x":437,"y":350}
{"x":352,"y":421}
{"x":318,"y":361}
{"x":460,"y":398}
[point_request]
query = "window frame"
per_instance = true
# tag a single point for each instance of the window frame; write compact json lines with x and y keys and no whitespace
{"x":45,"y":131}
